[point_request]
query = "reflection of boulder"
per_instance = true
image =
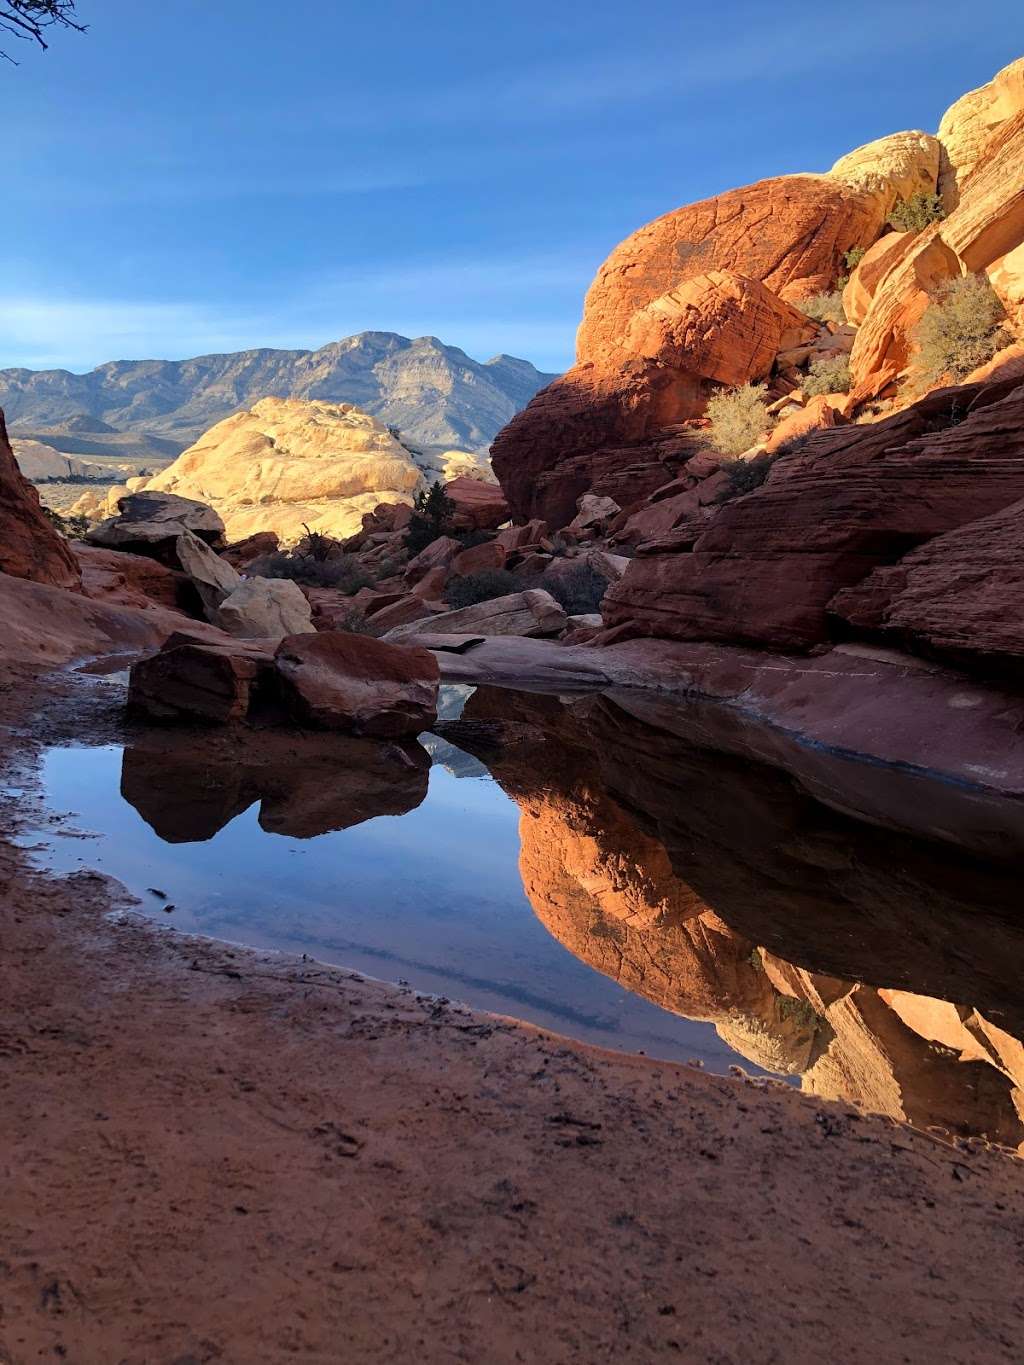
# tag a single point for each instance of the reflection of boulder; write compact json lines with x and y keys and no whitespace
{"x":662,"y":867}
{"x":188,"y":791}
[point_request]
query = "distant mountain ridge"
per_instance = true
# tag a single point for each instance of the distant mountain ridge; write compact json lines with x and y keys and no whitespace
{"x":436,"y":394}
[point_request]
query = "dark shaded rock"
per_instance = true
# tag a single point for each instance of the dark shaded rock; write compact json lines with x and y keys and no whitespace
{"x":29,"y":545}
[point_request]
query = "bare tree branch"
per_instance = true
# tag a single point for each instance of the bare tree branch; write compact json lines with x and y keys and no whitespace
{"x":28,"y":20}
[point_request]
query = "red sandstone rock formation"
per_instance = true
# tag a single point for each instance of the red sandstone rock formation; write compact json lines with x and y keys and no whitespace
{"x":700,"y":297}
{"x":479,"y":506}
{"x":850,"y":500}
{"x":29,"y":545}
{"x":959,"y":595}
{"x":675,"y":309}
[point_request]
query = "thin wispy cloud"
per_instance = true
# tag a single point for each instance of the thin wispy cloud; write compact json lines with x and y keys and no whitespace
{"x":466,"y":302}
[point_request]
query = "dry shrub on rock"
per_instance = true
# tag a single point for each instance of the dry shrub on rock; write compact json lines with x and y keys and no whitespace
{"x":746,"y":475}
{"x":577,"y":591}
{"x":915,"y":213}
{"x":466,"y":590}
{"x":739,"y":418}
{"x":345,"y":573}
{"x":824,"y":307}
{"x":963,"y":326}
{"x":828,"y":374}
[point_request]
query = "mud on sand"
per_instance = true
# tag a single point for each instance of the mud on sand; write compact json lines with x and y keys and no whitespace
{"x":211,"y":1154}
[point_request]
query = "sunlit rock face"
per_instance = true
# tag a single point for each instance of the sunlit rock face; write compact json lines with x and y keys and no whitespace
{"x":290,"y":463}
{"x":816,"y":946}
{"x":967,"y":126}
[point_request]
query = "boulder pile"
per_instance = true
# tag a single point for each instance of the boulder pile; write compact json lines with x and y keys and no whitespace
{"x":184,"y":536}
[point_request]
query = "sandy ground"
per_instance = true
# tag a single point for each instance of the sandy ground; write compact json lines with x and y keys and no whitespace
{"x":209,"y":1154}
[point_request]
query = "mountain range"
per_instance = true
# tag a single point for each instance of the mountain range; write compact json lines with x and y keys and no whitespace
{"x":435,"y":394}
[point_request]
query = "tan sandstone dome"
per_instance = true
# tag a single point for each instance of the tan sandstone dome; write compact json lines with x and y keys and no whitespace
{"x":289,"y":463}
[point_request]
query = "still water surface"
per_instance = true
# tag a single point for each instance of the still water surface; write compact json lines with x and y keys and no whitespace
{"x":432,"y":897}
{"x":590,"y":873}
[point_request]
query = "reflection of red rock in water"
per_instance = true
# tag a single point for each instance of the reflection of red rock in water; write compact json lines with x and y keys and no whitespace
{"x":188,"y":787}
{"x":663,"y":868}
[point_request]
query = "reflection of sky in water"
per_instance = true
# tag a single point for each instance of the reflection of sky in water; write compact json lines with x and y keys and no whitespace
{"x":432,"y":897}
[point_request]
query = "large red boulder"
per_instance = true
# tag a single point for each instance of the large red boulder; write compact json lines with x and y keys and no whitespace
{"x":336,"y":681}
{"x":479,"y":506}
{"x":638,"y":369}
{"x":29,"y":545}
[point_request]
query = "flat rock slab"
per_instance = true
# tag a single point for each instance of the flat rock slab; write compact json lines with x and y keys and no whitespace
{"x":530,"y":613}
{"x":876,"y":734}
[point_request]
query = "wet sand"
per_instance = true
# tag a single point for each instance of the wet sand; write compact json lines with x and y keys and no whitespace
{"x":211,"y":1154}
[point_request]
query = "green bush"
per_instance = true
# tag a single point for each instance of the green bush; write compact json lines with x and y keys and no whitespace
{"x":70,"y":527}
{"x":577,"y":591}
{"x":344,"y":573}
{"x":915,"y":213}
{"x":355,"y":623}
{"x":962,"y":327}
{"x":468,"y":589}
{"x":828,"y":374}
{"x":469,"y":539}
{"x":431,"y":517}
{"x":852,"y":260}
{"x":824,"y":307}
{"x":739,"y":418}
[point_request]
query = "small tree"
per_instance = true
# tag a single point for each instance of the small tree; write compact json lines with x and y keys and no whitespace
{"x":739,"y":418}
{"x":962,"y":327}
{"x":432,"y":514}
{"x":915,"y":213}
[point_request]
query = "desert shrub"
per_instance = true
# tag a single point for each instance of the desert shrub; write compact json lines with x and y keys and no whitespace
{"x":355,"y":623}
{"x":853,"y":257}
{"x":739,"y":418}
{"x":578,"y":590}
{"x":468,"y":539}
{"x":828,"y":374}
{"x":344,"y":573}
{"x":824,"y":307}
{"x":70,"y":527}
{"x":852,"y":260}
{"x":384,"y":568}
{"x":468,"y":589}
{"x":962,"y":327}
{"x":915,"y":213}
{"x":800,"y":1011}
{"x":431,"y":516}
{"x":318,"y":546}
{"x":746,"y":475}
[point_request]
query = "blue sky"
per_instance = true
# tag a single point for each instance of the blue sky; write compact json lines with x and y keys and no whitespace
{"x":195,"y":176}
